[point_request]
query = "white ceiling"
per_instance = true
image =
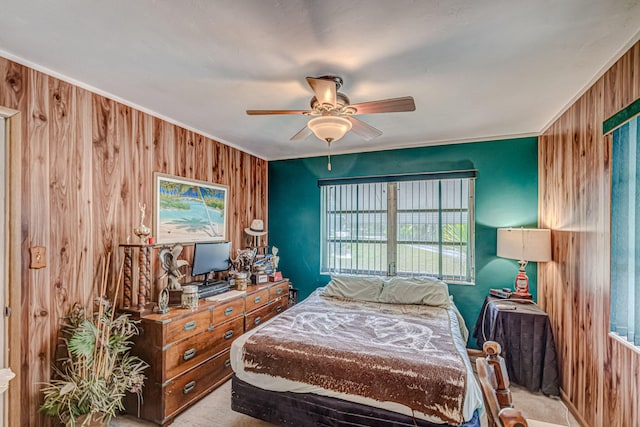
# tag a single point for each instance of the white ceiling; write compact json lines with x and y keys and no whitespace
{"x":477,"y":69}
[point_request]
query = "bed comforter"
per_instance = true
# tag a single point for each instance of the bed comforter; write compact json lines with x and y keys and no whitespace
{"x":393,"y":356}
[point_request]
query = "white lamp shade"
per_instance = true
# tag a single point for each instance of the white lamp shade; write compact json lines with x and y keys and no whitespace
{"x":329,"y":128}
{"x":526,"y":244}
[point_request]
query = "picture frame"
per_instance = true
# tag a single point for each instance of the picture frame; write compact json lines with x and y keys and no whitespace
{"x":188,"y":210}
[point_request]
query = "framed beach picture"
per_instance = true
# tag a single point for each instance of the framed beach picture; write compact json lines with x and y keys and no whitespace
{"x":187,"y":210}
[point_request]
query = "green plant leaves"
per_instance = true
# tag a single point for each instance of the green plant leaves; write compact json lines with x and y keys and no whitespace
{"x":98,"y":370}
{"x":70,"y":386}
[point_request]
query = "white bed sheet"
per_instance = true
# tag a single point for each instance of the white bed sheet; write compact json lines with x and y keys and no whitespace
{"x":473,"y":397}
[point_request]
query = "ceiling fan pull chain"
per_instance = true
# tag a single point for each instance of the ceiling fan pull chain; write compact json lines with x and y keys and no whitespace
{"x":329,"y":163}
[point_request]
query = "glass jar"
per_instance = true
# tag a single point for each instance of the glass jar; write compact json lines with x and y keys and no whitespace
{"x":241,"y":279}
{"x":189,"y":297}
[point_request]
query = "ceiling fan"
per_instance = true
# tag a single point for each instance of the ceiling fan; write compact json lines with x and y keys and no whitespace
{"x":333,"y":115}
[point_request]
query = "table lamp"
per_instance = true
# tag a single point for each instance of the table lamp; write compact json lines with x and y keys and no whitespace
{"x":524,"y":244}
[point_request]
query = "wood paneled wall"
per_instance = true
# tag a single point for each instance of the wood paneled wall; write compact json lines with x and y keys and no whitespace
{"x":600,"y":375}
{"x":87,"y":162}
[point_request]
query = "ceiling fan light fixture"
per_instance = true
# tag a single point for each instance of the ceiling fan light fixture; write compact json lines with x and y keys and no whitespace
{"x":329,"y":128}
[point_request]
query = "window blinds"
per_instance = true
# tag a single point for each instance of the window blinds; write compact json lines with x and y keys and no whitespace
{"x":625,"y":232}
{"x":399,"y":226}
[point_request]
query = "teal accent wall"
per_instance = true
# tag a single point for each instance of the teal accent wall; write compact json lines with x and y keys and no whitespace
{"x":506,"y":195}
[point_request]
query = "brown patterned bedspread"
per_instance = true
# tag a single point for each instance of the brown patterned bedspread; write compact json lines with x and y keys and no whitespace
{"x":386,"y":352}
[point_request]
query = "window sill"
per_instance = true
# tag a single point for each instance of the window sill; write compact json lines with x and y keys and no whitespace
{"x":448,"y":282}
{"x":453,"y":282}
{"x":624,"y":342}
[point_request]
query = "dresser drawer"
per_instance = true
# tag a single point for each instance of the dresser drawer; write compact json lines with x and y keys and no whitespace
{"x":228,"y":310}
{"x":279,"y":290}
{"x":192,"y":351}
{"x":280,"y":305}
{"x":188,"y":326}
{"x":256,"y":299}
{"x":185,"y":388}
{"x":265,"y":313}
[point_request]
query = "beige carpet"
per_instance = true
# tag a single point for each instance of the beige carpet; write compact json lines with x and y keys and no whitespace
{"x":537,"y":406}
{"x":214,"y":410}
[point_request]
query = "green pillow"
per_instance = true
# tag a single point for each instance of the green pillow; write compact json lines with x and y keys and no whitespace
{"x":415,"y":290}
{"x":359,"y":288}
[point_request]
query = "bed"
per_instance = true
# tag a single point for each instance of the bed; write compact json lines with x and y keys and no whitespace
{"x":360,"y":352}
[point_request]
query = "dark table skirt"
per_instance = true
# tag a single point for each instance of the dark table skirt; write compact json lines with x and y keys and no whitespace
{"x":524,"y":333}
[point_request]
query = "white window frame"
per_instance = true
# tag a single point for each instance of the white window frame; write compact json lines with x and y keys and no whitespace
{"x":392,"y":224}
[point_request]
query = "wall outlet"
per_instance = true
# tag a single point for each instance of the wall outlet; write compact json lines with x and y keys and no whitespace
{"x":38,"y":257}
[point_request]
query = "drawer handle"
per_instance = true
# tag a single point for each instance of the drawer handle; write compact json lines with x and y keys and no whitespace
{"x":256,"y":321}
{"x":257,"y":299}
{"x":228,"y":311}
{"x":190,"y":325}
{"x":278,"y":309}
{"x":189,"y":387}
{"x":227,"y":363}
{"x":278,"y":291}
{"x":189,"y":354}
{"x":228,"y":334}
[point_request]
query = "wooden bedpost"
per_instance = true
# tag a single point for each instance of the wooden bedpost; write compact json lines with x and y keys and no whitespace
{"x":494,"y":381}
{"x":492,"y":350}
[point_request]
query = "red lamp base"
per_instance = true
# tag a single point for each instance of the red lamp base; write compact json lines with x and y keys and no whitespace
{"x":522,"y":283}
{"x":516,"y":295}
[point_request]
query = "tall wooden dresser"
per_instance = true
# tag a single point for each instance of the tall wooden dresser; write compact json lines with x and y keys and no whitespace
{"x":188,"y":350}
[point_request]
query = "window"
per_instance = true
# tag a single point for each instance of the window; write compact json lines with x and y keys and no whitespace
{"x":399,"y":225}
{"x":625,"y":232}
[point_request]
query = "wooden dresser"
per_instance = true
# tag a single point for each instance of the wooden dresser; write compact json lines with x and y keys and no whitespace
{"x":188,"y":350}
{"x":263,"y":302}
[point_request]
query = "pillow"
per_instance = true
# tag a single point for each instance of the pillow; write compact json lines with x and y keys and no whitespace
{"x":415,"y":290}
{"x":359,"y":288}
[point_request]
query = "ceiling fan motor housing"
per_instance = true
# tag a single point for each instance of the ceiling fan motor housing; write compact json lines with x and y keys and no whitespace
{"x":337,"y":80}
{"x":342,"y":101}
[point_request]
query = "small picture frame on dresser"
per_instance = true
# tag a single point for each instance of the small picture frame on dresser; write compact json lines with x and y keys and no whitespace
{"x":259,"y":278}
{"x":175,"y":297}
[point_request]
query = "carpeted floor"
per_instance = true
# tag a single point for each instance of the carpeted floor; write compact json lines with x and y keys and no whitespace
{"x":215,"y":411}
{"x":539,"y":407}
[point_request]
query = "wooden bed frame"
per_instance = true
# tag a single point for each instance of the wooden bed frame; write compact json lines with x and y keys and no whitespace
{"x":494,"y":381}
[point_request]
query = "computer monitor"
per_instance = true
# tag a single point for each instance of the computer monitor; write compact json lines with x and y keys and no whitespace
{"x":210,"y":257}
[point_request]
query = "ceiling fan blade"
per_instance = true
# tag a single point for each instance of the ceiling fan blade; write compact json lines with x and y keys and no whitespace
{"x":304,"y":133}
{"x":266,"y":112}
{"x":366,"y":131}
{"x":393,"y":105}
{"x":325,"y":90}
